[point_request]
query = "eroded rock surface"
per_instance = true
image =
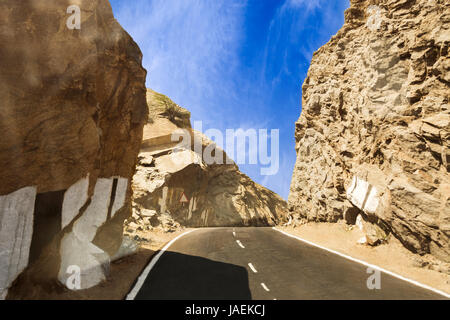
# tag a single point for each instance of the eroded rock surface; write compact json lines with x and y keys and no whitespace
{"x":374,"y":134}
{"x":73,"y":109}
{"x":175,"y":186}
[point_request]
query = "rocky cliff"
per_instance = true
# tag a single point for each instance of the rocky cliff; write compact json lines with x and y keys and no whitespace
{"x":374,"y":134}
{"x":175,"y":185}
{"x":73,"y":109}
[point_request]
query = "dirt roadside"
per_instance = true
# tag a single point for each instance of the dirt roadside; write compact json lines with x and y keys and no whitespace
{"x":391,"y":255}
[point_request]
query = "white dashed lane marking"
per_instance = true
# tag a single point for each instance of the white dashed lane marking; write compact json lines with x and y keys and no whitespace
{"x":240,"y":244}
{"x":251,"y":265}
{"x":265,"y":287}
{"x":253,"y":268}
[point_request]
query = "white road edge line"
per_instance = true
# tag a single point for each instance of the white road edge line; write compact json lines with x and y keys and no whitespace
{"x":367,"y":264}
{"x":265,"y":287}
{"x":253,"y":268}
{"x":140,"y":282}
{"x":234,"y":234}
{"x":240,"y":244}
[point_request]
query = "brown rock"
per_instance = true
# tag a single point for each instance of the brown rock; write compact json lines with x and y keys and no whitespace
{"x":372,"y":233}
{"x":374,"y":128}
{"x":73,"y":110}
{"x":217,"y":194}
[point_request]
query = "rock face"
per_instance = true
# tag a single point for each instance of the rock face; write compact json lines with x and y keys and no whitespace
{"x":175,"y":185}
{"x":73,"y":110}
{"x":374,"y":135}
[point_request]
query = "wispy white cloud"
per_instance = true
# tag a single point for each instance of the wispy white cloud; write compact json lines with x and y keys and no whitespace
{"x":190,"y":46}
{"x":308,"y":4}
{"x":291,"y":19}
{"x":193,"y":51}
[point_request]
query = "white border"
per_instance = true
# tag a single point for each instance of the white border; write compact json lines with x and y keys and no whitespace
{"x":366,"y":264}
{"x":140,"y":282}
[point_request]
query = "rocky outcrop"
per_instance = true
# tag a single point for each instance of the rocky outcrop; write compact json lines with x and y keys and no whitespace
{"x":374,"y":135}
{"x":73,"y":110}
{"x":175,"y":185}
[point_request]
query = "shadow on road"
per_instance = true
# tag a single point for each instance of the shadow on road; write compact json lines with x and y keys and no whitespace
{"x":182,"y":277}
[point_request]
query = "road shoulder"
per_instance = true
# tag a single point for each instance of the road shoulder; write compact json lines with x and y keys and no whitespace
{"x":391,"y":256}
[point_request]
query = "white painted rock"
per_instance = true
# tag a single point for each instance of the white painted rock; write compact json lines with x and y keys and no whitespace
{"x":16,"y":227}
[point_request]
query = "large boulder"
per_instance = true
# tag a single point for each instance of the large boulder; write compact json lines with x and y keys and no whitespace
{"x":73,"y":110}
{"x":175,"y":185}
{"x":374,"y":133}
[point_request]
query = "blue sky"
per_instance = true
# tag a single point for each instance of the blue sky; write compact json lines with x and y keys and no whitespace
{"x":234,"y":63}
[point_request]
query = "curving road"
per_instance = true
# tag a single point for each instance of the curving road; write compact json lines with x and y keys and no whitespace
{"x":260,"y":264}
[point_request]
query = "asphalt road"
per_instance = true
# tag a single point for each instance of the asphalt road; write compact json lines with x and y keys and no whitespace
{"x":262,"y":264}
